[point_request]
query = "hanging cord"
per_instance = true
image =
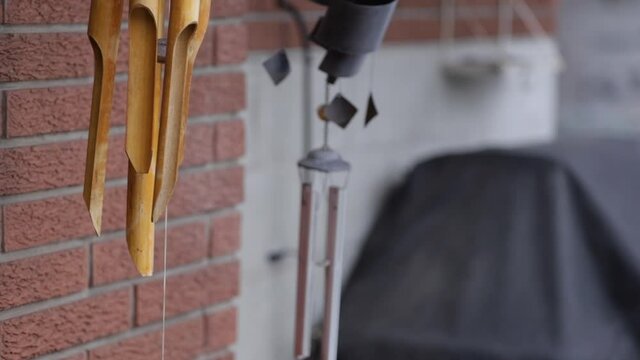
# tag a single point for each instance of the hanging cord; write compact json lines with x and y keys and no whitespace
{"x":535,"y":27}
{"x":164,"y":284}
{"x":307,"y":79}
{"x":326,"y":121}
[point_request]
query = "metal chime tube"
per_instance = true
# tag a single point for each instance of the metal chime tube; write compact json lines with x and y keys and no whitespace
{"x":304,"y":290}
{"x":333,"y":278}
{"x":324,"y":175}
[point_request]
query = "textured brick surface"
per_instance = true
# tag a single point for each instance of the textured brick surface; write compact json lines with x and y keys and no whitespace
{"x":37,"y":56}
{"x":184,"y":341}
{"x":229,"y":140}
{"x":43,"y":277}
{"x":47,"y":71}
{"x":226,"y":8}
{"x":66,"y":217}
{"x":57,"y":109}
{"x":217,"y":93}
{"x":267,"y":35}
{"x":199,"y":144}
{"x":225,"y":234}
{"x":58,"y":219}
{"x":49,"y":11}
{"x":111,"y":260}
{"x":64,"y":326}
{"x":54,"y":165}
{"x":222,"y":329}
{"x":231,"y":44}
{"x":206,"y":53}
{"x":186,"y":292}
{"x":207,"y":191}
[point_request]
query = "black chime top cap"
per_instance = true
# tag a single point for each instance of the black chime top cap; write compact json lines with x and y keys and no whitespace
{"x":324,"y":160}
{"x":338,"y":64}
{"x":350,"y":30}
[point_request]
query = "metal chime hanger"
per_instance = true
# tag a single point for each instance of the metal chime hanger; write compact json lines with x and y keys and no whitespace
{"x":157,"y":108}
{"x":349,"y":31}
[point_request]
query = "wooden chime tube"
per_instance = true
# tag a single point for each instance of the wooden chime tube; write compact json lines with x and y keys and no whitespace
{"x":194,"y":47}
{"x":333,"y":279}
{"x":104,"y":33}
{"x":146,"y":24}
{"x":187,"y":25}
{"x":302,"y":348}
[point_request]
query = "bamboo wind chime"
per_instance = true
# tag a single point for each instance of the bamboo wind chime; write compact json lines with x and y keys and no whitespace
{"x":157,"y":108}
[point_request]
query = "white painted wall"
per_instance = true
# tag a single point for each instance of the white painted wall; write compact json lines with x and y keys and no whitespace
{"x":421,"y":115}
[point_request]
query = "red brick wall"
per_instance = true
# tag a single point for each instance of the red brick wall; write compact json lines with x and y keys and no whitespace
{"x":62,"y":289}
{"x":68,"y":293}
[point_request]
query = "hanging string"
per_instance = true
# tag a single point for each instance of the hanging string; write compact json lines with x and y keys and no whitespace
{"x":164,"y":284}
{"x":326,"y":121}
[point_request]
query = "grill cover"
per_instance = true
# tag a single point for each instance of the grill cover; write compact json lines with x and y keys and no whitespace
{"x":504,"y":255}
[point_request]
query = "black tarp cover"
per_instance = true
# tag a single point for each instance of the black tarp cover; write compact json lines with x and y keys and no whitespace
{"x":521,"y":254}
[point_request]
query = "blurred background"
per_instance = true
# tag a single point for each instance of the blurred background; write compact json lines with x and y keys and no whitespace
{"x":574,"y":80}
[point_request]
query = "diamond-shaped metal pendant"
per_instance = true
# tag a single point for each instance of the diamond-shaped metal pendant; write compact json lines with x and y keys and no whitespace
{"x":278,"y":67}
{"x":341,"y":111}
{"x":372,"y":110}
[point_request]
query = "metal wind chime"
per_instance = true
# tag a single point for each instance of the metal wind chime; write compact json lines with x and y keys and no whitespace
{"x":349,"y":31}
{"x":157,"y":108}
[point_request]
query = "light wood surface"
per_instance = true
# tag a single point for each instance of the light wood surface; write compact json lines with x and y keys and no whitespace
{"x":183,"y":26}
{"x":143,"y":115}
{"x":104,"y":33}
{"x":194,"y":47}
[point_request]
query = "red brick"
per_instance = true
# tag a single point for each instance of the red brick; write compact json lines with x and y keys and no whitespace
{"x":66,"y":217}
{"x":225,"y":282}
{"x":206,"y":51}
{"x":222,"y":329}
{"x":187,"y":292}
{"x":207,"y":191}
{"x":65,"y":326}
{"x":413,"y":29}
{"x":227,"y":8}
{"x":217,"y":93}
{"x":49,"y":11}
{"x":224,"y":356}
{"x":61,"y":218}
{"x":225,"y":235}
{"x":199,"y":144}
{"x":269,"y":35}
{"x":43,"y":277}
{"x":231,"y":44}
{"x":111,"y":260}
{"x":55,"y":165}
{"x":229,"y":140}
{"x":183,"y":342}
{"x":58,"y":109}
{"x":41,"y":56}
{"x":2,"y":110}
